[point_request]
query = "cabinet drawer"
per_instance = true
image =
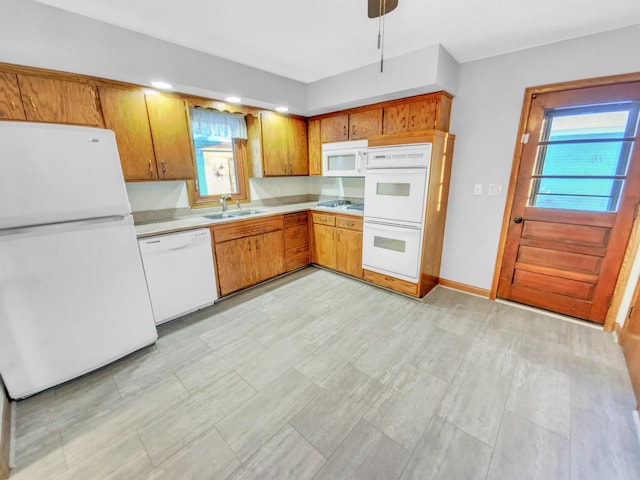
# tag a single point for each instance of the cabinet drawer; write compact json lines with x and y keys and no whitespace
{"x":351,"y":223}
{"x":246,"y":228}
{"x":296,"y":236}
{"x":297,"y":257}
{"x":391,"y":282}
{"x":295,"y":219}
{"x":324,"y":219}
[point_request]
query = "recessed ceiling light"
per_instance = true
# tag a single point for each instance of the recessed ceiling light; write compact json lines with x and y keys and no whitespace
{"x":282,"y":109}
{"x":233,"y":99}
{"x":162,"y":85}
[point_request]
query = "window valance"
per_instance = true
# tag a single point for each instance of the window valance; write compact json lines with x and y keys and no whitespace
{"x":207,"y":122}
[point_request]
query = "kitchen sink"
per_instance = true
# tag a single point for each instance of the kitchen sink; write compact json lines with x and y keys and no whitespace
{"x":234,"y":214}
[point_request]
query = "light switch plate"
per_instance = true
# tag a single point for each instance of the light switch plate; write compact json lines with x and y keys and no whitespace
{"x":477,"y":189}
{"x":495,"y":189}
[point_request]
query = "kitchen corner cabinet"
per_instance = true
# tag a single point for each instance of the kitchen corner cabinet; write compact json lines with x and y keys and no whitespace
{"x":296,"y":240}
{"x":152,"y":134}
{"x":315,"y":147}
{"x":337,"y":242}
{"x":248,"y":252}
{"x":354,"y":126}
{"x":10,"y":102}
{"x":59,"y":101}
{"x":277,"y":145}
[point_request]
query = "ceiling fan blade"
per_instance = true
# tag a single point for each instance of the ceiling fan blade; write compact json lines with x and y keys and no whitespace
{"x":374,"y":7}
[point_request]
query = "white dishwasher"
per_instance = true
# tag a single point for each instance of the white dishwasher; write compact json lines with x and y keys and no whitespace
{"x":180,"y":272}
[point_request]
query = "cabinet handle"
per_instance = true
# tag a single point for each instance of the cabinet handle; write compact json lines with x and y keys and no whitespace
{"x":344,"y":130}
{"x":257,"y":245}
{"x":249,"y":245}
{"x":353,"y":130}
{"x":33,"y":105}
{"x":164,"y":168}
{"x":13,"y":105}
{"x":350,"y":224}
{"x":413,"y":120}
{"x":150,"y":169}
{"x":95,"y":102}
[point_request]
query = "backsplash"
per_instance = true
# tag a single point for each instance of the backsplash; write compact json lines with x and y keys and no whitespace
{"x":171,"y":198}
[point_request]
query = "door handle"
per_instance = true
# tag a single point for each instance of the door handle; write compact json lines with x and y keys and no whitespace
{"x":517,"y":220}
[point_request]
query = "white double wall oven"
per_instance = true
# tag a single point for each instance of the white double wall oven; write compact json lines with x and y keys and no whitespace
{"x":395,"y":195}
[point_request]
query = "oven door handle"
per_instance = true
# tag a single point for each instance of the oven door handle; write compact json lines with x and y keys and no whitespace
{"x":392,"y":226}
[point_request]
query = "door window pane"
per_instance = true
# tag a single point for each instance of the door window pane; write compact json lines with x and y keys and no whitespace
{"x":390,"y":244}
{"x":583,"y":157}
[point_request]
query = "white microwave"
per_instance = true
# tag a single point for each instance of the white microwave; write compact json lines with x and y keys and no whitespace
{"x":344,"y":159}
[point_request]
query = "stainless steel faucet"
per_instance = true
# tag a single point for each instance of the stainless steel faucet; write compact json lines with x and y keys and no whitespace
{"x":223,"y":201}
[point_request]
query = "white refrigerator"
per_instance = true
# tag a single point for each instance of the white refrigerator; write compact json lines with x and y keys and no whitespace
{"x":73,"y":295}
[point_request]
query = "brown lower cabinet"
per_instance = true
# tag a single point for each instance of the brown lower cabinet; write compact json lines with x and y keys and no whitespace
{"x":337,"y":242}
{"x":296,"y":240}
{"x":248,"y":252}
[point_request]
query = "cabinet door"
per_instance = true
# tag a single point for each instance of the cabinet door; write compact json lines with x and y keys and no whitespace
{"x":297,"y":148}
{"x":335,"y":129}
{"x":395,"y":119}
{"x":234,"y":265}
{"x":315,"y":147}
{"x":268,"y":255}
{"x":125,"y":112}
{"x":10,"y":102}
{"x":422,"y":115}
{"x":323,"y":246}
{"x":168,"y":119}
{"x":365,"y":124}
{"x":284,"y":145}
{"x":59,"y":101}
{"x":349,"y":252}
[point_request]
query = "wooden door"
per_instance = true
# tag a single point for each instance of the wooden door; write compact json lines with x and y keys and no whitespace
{"x":169,"y":124}
{"x":297,"y":147}
{"x":314,"y":141}
{"x":335,"y":128}
{"x":234,"y":265}
{"x":274,"y":132}
{"x":268,"y":258}
{"x":323,"y":246}
{"x":365,"y":124}
{"x":10,"y":102}
{"x":395,"y":119}
{"x":631,"y":343}
{"x":576,"y":194}
{"x":59,"y":101}
{"x":349,"y":252}
{"x":423,"y":115}
{"x":125,"y":112}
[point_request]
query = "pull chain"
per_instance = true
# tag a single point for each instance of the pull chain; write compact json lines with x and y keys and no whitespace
{"x":381,"y":14}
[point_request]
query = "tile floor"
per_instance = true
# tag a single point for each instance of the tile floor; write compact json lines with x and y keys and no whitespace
{"x":318,"y":376}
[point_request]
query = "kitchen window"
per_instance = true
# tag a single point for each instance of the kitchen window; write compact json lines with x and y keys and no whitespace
{"x":219,"y":140}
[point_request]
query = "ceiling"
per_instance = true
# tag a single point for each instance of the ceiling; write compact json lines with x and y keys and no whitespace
{"x":308,"y":40}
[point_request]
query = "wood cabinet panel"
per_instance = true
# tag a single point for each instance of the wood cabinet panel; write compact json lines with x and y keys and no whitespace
{"x":295,"y":237}
{"x":10,"y":102}
{"x":323,"y":219}
{"x":365,"y":124}
{"x":234,"y":265}
{"x":125,"y":112}
{"x":277,"y":145}
{"x":268,"y":256}
{"x":422,"y":115}
{"x":168,"y":119}
{"x":59,"y":101}
{"x":391,"y":282}
{"x":349,"y":252}
{"x":335,"y":129}
{"x":315,"y":147}
{"x":296,"y":219}
{"x":296,"y":240}
{"x":323,"y":246}
{"x":395,"y":119}
{"x":246,"y":228}
{"x":297,"y":257}
{"x":350,"y":223}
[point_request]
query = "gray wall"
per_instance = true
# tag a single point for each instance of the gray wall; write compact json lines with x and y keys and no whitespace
{"x":485,"y":117}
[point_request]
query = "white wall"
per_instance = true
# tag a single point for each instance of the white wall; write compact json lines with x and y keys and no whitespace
{"x":485,"y":117}
{"x":37,"y":35}
{"x":423,"y":71}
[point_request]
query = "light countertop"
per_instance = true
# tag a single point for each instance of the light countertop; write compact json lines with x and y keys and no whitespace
{"x":189,"y":222}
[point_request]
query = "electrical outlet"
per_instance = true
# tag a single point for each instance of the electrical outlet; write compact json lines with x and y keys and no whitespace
{"x":477,"y":189}
{"x":495,"y":189}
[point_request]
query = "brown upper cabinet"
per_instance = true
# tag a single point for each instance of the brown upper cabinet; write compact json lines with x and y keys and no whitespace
{"x":354,"y":126}
{"x":414,"y":114}
{"x":152,"y":133}
{"x":277,"y":145}
{"x":10,"y":101}
{"x":315,"y":147}
{"x":59,"y":101}
{"x":417,"y":116}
